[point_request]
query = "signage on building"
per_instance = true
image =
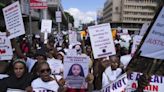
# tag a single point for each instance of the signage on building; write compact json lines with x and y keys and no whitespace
{"x":38,"y":4}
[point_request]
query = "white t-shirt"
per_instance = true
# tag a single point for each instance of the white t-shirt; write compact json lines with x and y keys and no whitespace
{"x":110,"y":75}
{"x":51,"y":85}
{"x":30,"y":63}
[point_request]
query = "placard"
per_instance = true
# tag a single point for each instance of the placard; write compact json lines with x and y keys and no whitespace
{"x":46,"y":26}
{"x":75,"y":71}
{"x":13,"y":20}
{"x":6,"y":52}
{"x":101,"y":40}
{"x":72,"y":37}
{"x":58,"y":16}
{"x":156,"y":83}
{"x":117,"y":86}
{"x":136,"y":42}
{"x":153,"y":46}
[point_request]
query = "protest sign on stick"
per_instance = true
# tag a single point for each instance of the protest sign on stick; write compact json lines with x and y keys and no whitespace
{"x":101,"y":40}
{"x":13,"y":20}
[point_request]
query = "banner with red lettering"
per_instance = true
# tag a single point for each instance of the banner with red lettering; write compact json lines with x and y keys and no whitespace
{"x":117,"y":86}
{"x":6,"y":52}
{"x":153,"y":46}
{"x":156,"y":83}
{"x":38,"y":4}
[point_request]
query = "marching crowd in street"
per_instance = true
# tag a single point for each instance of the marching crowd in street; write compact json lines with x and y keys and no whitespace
{"x":34,"y":66}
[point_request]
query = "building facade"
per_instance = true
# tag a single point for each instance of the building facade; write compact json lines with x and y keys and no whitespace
{"x":130,"y":14}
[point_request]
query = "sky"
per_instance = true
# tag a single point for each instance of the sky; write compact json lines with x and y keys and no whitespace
{"x":82,"y":10}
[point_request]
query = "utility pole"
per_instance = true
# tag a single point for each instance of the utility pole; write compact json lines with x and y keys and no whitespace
{"x":30,"y":26}
{"x":58,"y":9}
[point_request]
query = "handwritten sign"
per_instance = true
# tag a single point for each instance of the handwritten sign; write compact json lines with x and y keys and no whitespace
{"x":117,"y":86}
{"x":6,"y":52}
{"x":156,"y":83}
{"x":46,"y":26}
{"x":13,"y":20}
{"x":153,"y":46}
{"x":101,"y":40}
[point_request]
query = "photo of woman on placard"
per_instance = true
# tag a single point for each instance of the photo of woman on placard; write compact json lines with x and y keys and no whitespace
{"x":75,"y":77}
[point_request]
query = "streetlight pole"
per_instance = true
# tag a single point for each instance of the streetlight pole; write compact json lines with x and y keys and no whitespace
{"x":30,"y":26}
{"x":58,"y":9}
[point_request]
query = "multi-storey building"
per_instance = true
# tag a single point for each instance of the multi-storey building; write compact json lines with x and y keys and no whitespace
{"x":130,"y":14}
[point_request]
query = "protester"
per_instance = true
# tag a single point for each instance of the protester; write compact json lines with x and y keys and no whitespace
{"x":45,"y":80}
{"x":112,"y":72}
{"x":20,"y":79}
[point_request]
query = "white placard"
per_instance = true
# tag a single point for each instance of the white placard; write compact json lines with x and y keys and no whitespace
{"x":6,"y":52}
{"x":75,"y":71}
{"x":156,"y":83}
{"x":101,"y":40}
{"x":46,"y":26}
{"x":72,"y":37}
{"x":58,"y":16}
{"x":136,"y":42}
{"x":144,"y":29}
{"x":117,"y":86}
{"x":13,"y":20}
{"x":71,"y":52}
{"x":153,"y":46}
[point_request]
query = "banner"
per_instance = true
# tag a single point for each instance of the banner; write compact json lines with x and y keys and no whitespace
{"x":156,"y":83}
{"x":153,"y":46}
{"x":38,"y":4}
{"x":117,"y":86}
{"x":101,"y":40}
{"x":75,"y":71}
{"x":13,"y":20}
{"x":136,"y":42}
{"x":6,"y":52}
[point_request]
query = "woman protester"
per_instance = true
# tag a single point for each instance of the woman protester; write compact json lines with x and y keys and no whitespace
{"x":45,"y":80}
{"x":20,"y":79}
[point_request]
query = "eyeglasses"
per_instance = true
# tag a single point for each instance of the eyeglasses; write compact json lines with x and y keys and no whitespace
{"x":45,"y":70}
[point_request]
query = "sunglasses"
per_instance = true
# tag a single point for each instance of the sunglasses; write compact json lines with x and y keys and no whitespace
{"x":45,"y":70}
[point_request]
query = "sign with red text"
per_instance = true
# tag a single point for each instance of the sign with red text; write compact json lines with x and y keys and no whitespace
{"x":13,"y":20}
{"x":153,"y":46}
{"x":101,"y":40}
{"x":136,"y":42}
{"x":75,"y":71}
{"x":38,"y":4}
{"x":156,"y":83}
{"x":117,"y":86}
{"x":6,"y":52}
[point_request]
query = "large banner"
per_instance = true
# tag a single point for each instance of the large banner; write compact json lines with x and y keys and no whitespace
{"x":136,"y":42}
{"x":13,"y":20}
{"x":6,"y":52}
{"x":156,"y":83}
{"x":117,"y":86}
{"x":101,"y":40}
{"x":75,"y":71}
{"x":38,"y":4}
{"x":153,"y":46}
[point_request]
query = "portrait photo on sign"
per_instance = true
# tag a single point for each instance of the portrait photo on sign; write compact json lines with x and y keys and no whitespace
{"x":75,"y":72}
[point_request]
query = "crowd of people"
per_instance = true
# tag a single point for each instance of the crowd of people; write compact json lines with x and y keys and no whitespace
{"x":40,"y":65}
